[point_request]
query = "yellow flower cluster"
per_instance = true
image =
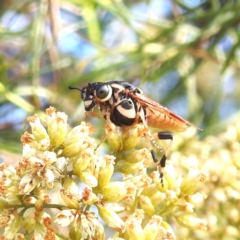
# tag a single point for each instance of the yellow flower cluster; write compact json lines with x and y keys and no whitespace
{"x":61,"y":169}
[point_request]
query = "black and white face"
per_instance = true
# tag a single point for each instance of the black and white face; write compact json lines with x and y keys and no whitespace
{"x":95,"y":93}
{"x":87,"y":95}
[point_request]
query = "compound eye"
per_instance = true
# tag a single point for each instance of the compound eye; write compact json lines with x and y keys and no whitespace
{"x":103,"y":92}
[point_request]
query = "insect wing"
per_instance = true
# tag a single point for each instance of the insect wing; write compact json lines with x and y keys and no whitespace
{"x":160,"y":117}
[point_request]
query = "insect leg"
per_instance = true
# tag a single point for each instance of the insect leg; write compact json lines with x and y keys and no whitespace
{"x":91,"y":114}
{"x":150,"y":139}
{"x":164,"y":136}
{"x":104,"y":138}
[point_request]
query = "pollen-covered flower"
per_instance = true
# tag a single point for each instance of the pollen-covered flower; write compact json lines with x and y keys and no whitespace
{"x":66,"y":217}
{"x":37,"y":170}
{"x":9,"y":181}
{"x":28,"y":138}
{"x":43,"y":227}
{"x":11,"y":221}
{"x":85,"y":221}
{"x":89,"y":197}
{"x":62,"y":176}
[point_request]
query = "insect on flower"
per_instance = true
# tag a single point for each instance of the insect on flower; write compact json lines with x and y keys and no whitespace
{"x":125,"y":105}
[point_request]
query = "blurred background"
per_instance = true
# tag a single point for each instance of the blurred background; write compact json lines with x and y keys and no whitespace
{"x":183,"y":54}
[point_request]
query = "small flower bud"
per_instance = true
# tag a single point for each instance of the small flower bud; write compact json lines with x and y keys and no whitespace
{"x":80,"y":163}
{"x":13,"y":226}
{"x":135,"y":231}
{"x":79,"y":132}
{"x":129,"y":168}
{"x":99,"y":232}
{"x":182,"y":206}
{"x":132,"y":135}
{"x":61,"y":163}
{"x":29,"y":222}
{"x":138,"y":155}
{"x":38,"y":131}
{"x":76,"y":148}
{"x":114,"y":139}
{"x":106,"y":171}
{"x":171,"y":196}
{"x":166,"y":232}
{"x":39,"y":205}
{"x":114,"y":191}
{"x":42,"y":194}
{"x":27,"y":183}
{"x":65,"y":217}
{"x":156,"y":196}
{"x":44,"y":228}
{"x":190,"y":221}
{"x":88,"y":179}
{"x":124,"y":138}
{"x":69,"y":193}
{"x":152,"y":228}
{"x":78,"y":140}
{"x":116,"y":238}
{"x":3,"y":204}
{"x":133,"y":225}
{"x":141,"y":181}
{"x":57,"y":126}
{"x":70,"y":185}
{"x":19,"y":236}
{"x":111,"y":218}
{"x":30,"y":200}
{"x":43,"y":144}
{"x":74,"y":232}
{"x":192,"y":181}
{"x":196,"y":198}
{"x":232,"y":232}
{"x":146,"y":205}
{"x":70,"y":199}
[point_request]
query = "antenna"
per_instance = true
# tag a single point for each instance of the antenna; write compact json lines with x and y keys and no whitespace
{"x":74,"y":88}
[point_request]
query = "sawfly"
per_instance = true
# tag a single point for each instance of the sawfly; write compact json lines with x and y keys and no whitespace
{"x":125,"y":105}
